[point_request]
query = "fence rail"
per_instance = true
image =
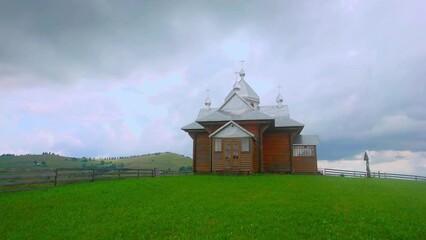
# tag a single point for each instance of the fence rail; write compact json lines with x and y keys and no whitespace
{"x":361,"y":174}
{"x":18,"y":179}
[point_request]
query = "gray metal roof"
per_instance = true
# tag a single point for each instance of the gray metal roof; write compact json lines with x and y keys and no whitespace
{"x":193,"y":126}
{"x":245,"y":91}
{"x":204,"y":112}
{"x":225,"y":116}
{"x":287,"y":122}
{"x":231,"y":130}
{"x":238,"y":107}
{"x":306,"y":140}
{"x":275,"y":111}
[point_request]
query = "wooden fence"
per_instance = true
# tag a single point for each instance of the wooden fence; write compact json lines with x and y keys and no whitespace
{"x":361,"y":174}
{"x":18,"y":179}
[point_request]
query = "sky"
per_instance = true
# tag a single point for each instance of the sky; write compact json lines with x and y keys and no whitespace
{"x":119,"y":78}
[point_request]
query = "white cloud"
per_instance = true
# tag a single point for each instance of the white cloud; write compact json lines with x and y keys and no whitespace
{"x":405,"y":162}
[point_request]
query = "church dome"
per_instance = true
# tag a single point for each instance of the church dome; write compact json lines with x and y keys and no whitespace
{"x":208,"y":103}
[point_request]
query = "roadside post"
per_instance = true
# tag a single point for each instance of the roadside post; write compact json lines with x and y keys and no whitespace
{"x":367,"y":163}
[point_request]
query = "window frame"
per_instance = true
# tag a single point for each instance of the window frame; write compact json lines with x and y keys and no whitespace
{"x":218,"y":145}
{"x":243,"y":150}
{"x":304,"y":151}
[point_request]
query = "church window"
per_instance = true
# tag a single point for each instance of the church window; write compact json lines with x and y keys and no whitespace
{"x":245,"y":145}
{"x":304,"y":151}
{"x":218,"y":145}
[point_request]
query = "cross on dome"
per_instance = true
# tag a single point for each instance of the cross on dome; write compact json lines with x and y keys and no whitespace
{"x":208,"y":102}
{"x":279,"y":99}
{"x":236,"y":84}
{"x":242,"y":73}
{"x":243,"y":89}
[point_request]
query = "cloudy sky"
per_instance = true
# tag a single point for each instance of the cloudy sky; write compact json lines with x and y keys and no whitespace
{"x":113,"y":78}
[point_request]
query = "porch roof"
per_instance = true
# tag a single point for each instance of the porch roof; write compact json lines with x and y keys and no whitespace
{"x":231,"y":130}
{"x":306,"y":140}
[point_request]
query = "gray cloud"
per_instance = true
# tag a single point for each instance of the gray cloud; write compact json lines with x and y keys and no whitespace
{"x":352,"y":71}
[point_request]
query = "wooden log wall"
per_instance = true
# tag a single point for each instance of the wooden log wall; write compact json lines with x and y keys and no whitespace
{"x":277,"y":151}
{"x":202,"y":153}
{"x":253,"y":128}
{"x":305,"y":165}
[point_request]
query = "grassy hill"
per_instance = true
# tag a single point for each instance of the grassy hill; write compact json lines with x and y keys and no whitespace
{"x":219,"y":207}
{"x":27,"y":161}
{"x":162,"y":161}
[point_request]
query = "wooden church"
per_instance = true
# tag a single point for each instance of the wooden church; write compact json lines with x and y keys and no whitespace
{"x":243,"y":136}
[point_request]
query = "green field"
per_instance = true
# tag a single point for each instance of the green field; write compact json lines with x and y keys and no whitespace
{"x":163,"y":161}
{"x":219,"y":207}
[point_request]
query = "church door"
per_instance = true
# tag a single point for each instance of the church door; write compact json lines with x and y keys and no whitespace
{"x":231,"y":155}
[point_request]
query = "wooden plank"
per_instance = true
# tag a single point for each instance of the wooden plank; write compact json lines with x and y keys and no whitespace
{"x":26,"y":183}
{"x":26,"y":176}
{"x":73,"y":175}
{"x":73,"y":180}
{"x":202,"y":152}
{"x":26,"y":170}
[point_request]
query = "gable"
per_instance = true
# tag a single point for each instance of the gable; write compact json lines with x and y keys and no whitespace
{"x":231,"y":130}
{"x":236,"y":105}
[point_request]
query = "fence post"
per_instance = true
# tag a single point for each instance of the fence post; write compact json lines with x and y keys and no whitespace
{"x":354,"y":175}
{"x":119,"y":173}
{"x":138,"y":172}
{"x":379,"y":173}
{"x":415,"y":177}
{"x":56,"y":177}
{"x":93,"y":175}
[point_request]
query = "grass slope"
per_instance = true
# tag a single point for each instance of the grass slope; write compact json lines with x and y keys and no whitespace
{"x":219,"y":207}
{"x":162,"y":161}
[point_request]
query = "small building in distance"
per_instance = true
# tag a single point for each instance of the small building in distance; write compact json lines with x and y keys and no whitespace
{"x":242,"y":135}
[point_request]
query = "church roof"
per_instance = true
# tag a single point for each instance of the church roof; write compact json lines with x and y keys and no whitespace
{"x":231,"y":130}
{"x":245,"y":92}
{"x":220,"y":116}
{"x":193,"y":126}
{"x":306,"y":140}
{"x":242,"y":104}
{"x":236,"y":105}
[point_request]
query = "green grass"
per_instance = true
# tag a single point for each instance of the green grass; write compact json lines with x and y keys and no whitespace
{"x":219,"y":207}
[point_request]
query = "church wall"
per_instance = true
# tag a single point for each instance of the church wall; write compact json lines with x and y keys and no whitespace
{"x":253,"y":127}
{"x":276,"y":151}
{"x":202,"y":153}
{"x":305,"y":164}
{"x":218,"y":162}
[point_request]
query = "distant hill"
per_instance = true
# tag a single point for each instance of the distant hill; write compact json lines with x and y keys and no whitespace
{"x":163,"y":161}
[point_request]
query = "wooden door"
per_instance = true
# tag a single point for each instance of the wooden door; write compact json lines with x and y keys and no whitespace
{"x":231,"y":155}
